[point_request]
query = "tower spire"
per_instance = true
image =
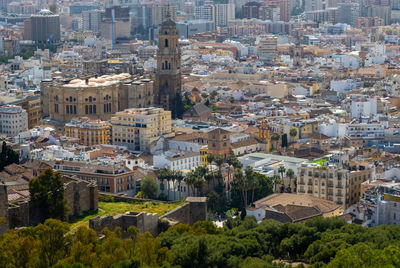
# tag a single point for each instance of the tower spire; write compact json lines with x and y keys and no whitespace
{"x":168,"y":12}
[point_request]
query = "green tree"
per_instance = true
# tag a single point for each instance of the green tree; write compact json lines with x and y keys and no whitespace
{"x":293,"y":132}
{"x":149,"y":187}
{"x":53,"y":239}
{"x":213,"y":94}
{"x":290,"y":174}
{"x":47,"y":192}
{"x":8,"y":156}
{"x":275,"y":138}
{"x":148,"y":251}
{"x":179,"y":178}
{"x":284,"y":141}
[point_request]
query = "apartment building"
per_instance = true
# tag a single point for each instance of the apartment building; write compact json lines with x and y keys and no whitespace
{"x":331,"y":183}
{"x":111,"y":177}
{"x":267,"y":49}
{"x":137,"y":128}
{"x":177,"y":160}
{"x":13,"y":120}
{"x":89,"y":132}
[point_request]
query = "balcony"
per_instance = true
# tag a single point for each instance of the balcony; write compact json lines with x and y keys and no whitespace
{"x":302,"y":191}
{"x":302,"y":183}
{"x":310,"y":183}
{"x":339,"y":194}
{"x":309,"y":192}
{"x":339,"y":186}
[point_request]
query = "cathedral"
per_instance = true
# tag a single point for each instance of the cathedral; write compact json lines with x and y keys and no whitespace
{"x":167,"y":91}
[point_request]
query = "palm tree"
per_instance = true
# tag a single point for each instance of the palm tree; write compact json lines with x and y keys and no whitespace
{"x":198,"y":183}
{"x":275,"y":137}
{"x":219,"y":160}
{"x":230,"y":161}
{"x":179,"y":178}
{"x":290,"y":174}
{"x":173,"y":179}
{"x":293,"y":132}
{"x":282,"y":170}
{"x":276,"y":180}
{"x":210,"y":159}
{"x":189,"y":180}
{"x":162,"y":174}
{"x":168,"y":177}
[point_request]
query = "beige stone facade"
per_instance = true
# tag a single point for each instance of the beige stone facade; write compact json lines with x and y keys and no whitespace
{"x":138,"y":128}
{"x":96,"y":98}
{"x":89,"y":132}
{"x":331,"y":183}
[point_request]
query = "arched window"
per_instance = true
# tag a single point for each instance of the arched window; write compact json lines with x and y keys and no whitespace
{"x":74,"y":109}
{"x":67,"y":109}
{"x":166,"y":42}
{"x":166,"y":65}
{"x":105,"y":109}
{"x":90,"y":109}
{"x":90,"y":99}
{"x":70,"y":98}
{"x":140,"y":96}
{"x":86,"y":109}
{"x":94,"y":108}
{"x":169,"y":66}
{"x":140,"y":106}
{"x":56,"y":97}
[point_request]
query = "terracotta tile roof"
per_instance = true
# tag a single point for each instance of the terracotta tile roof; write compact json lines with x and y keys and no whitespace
{"x":190,"y":137}
{"x":244,"y":143}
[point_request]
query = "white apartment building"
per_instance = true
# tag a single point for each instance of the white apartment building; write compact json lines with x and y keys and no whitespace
{"x":177,"y":160}
{"x":137,"y":128}
{"x":13,"y":120}
{"x":364,"y":107}
{"x":365,"y":131}
{"x":205,"y":12}
{"x":224,"y":13}
{"x":267,"y":49}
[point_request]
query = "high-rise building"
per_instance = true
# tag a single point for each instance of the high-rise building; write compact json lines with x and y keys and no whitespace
{"x":223,"y":14}
{"x":205,"y":12}
{"x":313,"y":5}
{"x":270,"y":12}
{"x":160,"y":13}
{"x":384,"y":12}
{"x":284,"y":6}
{"x":44,"y":27}
{"x":347,"y":13}
{"x":138,"y":128}
{"x":267,"y":49}
{"x":251,"y":10}
{"x":168,"y":74}
{"x":91,"y":20}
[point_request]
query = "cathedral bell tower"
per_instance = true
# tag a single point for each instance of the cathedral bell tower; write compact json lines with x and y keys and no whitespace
{"x":168,"y":73}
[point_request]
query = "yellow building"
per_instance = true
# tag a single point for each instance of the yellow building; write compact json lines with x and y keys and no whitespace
{"x":203,"y":155}
{"x":137,"y":128}
{"x":89,"y":132}
{"x":265,"y":135}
